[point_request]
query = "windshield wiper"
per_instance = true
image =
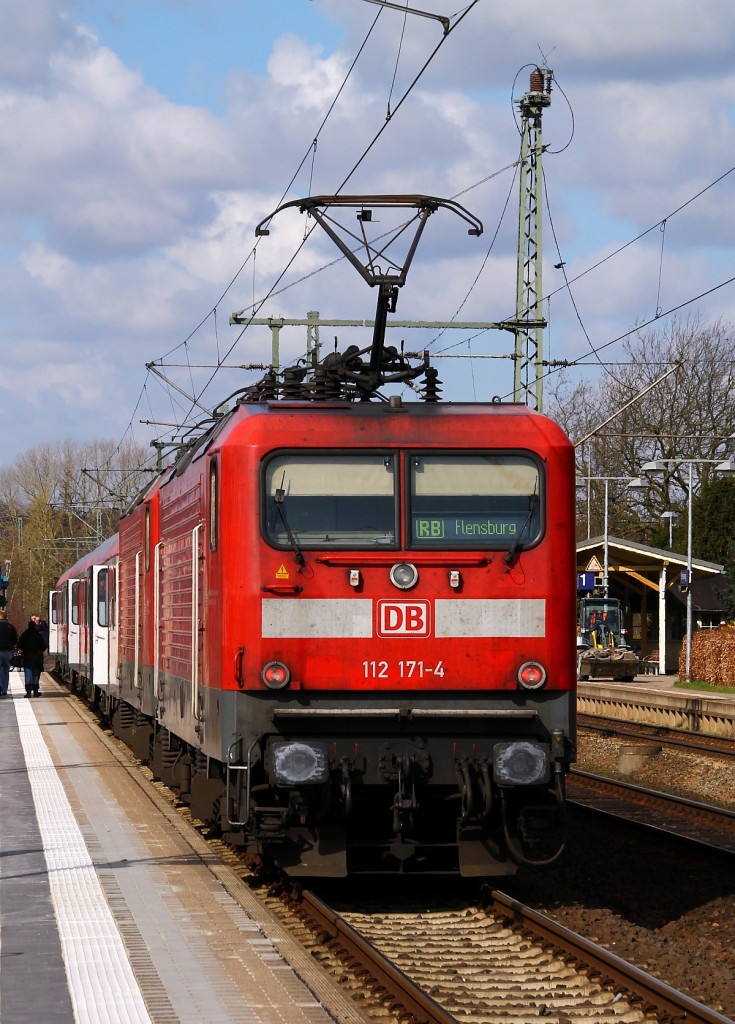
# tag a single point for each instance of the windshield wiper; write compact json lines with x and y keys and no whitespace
{"x":278,"y":499}
{"x":517,"y":546}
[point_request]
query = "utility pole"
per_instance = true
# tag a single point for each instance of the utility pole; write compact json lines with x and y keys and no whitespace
{"x":529,"y":323}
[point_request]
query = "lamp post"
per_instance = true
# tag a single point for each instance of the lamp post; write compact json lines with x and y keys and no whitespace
{"x":658,"y":468}
{"x":688,"y":663}
{"x":606,"y":558}
{"x":671,"y":516}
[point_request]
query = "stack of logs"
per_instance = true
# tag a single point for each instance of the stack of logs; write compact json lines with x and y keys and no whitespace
{"x":713,"y":656}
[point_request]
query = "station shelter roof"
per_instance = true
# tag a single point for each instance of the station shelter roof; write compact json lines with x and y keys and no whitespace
{"x":641,"y":567}
{"x":639,"y":561}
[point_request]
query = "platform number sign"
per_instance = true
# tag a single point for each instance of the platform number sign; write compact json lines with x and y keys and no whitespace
{"x":586,"y":580}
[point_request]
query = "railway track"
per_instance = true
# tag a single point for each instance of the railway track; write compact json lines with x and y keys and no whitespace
{"x":498,"y":960}
{"x":474,"y":962}
{"x":671,"y":737}
{"x":700,"y":823}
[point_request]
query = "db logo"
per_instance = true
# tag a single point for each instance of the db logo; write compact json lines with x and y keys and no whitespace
{"x":404,"y":618}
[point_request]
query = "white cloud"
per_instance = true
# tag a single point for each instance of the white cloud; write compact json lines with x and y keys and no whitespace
{"x":125,"y":215}
{"x":30,"y":31}
{"x":94,"y":72}
{"x":310,"y":80}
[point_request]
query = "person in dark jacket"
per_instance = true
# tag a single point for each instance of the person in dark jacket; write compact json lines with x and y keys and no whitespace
{"x":42,"y":627}
{"x":32,"y":644}
{"x":8,"y":641}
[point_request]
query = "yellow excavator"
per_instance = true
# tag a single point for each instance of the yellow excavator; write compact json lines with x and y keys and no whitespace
{"x":603,"y":651}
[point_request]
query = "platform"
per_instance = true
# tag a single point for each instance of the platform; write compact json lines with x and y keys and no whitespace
{"x":666,"y":681}
{"x":657,"y":700}
{"x":112,"y":908}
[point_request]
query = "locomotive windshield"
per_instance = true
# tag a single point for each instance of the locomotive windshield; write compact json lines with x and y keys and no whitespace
{"x":471,"y":501}
{"x":456,"y":500}
{"x":331,"y":500}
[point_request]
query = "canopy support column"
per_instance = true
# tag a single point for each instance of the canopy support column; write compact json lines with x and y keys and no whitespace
{"x":662,"y":620}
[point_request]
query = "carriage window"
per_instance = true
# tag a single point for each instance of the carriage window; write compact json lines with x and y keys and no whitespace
{"x":147,"y":538}
{"x":345,"y":500}
{"x":102,"y":598}
{"x":112,"y":596}
{"x":55,"y":607}
{"x":213,"y":509}
{"x":474,"y":501}
{"x":75,"y":603}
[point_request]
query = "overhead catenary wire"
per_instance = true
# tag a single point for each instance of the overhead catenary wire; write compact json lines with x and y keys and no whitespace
{"x":398,"y":58}
{"x":252,"y":253}
{"x":579,"y":361}
{"x":486,"y":257}
{"x":367,"y":150}
{"x":660,"y":266}
{"x":646,"y":231}
{"x":659,"y":313}
{"x":311,"y":151}
{"x":409,"y":90}
{"x":565,"y":364}
{"x":562,"y":265}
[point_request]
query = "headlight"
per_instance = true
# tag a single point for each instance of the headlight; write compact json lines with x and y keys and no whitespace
{"x":521,"y":763}
{"x":404,"y":575}
{"x":298,"y":763}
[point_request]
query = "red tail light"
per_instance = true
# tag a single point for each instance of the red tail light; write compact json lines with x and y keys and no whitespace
{"x":532,"y":675}
{"x":275,"y":675}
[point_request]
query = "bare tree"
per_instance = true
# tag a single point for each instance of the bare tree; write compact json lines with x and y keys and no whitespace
{"x":688,"y":416}
{"x":60,"y":501}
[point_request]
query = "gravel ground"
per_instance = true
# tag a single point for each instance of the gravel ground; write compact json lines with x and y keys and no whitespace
{"x":665,"y":907}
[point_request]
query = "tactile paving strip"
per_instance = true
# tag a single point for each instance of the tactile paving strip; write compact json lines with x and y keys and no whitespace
{"x":101,"y":981}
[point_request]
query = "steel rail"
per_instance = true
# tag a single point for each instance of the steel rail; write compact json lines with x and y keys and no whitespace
{"x":638,"y":988}
{"x":717,"y":746}
{"x":387,"y":982}
{"x":656,"y":795}
{"x":705,"y":824}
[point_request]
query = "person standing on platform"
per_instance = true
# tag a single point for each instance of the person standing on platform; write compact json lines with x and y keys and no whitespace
{"x":42,"y":627}
{"x":32,"y":643}
{"x":8,"y":642}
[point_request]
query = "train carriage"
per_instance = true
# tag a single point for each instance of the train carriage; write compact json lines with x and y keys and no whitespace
{"x":82,"y":617}
{"x":359,"y":651}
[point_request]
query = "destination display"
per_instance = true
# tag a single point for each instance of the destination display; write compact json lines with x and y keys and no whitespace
{"x":462,"y":528}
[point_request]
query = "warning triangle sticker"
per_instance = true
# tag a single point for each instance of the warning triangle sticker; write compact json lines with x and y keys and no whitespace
{"x":282,"y":573}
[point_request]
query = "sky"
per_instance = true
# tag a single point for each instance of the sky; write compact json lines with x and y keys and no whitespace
{"x":142,"y":142}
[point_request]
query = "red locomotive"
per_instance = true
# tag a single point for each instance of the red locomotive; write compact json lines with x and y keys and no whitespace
{"x":344,"y":629}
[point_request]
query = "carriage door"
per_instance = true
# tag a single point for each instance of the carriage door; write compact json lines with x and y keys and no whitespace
{"x":197,"y":620}
{"x":85,"y":635}
{"x":100,"y":626}
{"x":54,"y":621}
{"x":75,"y":623}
